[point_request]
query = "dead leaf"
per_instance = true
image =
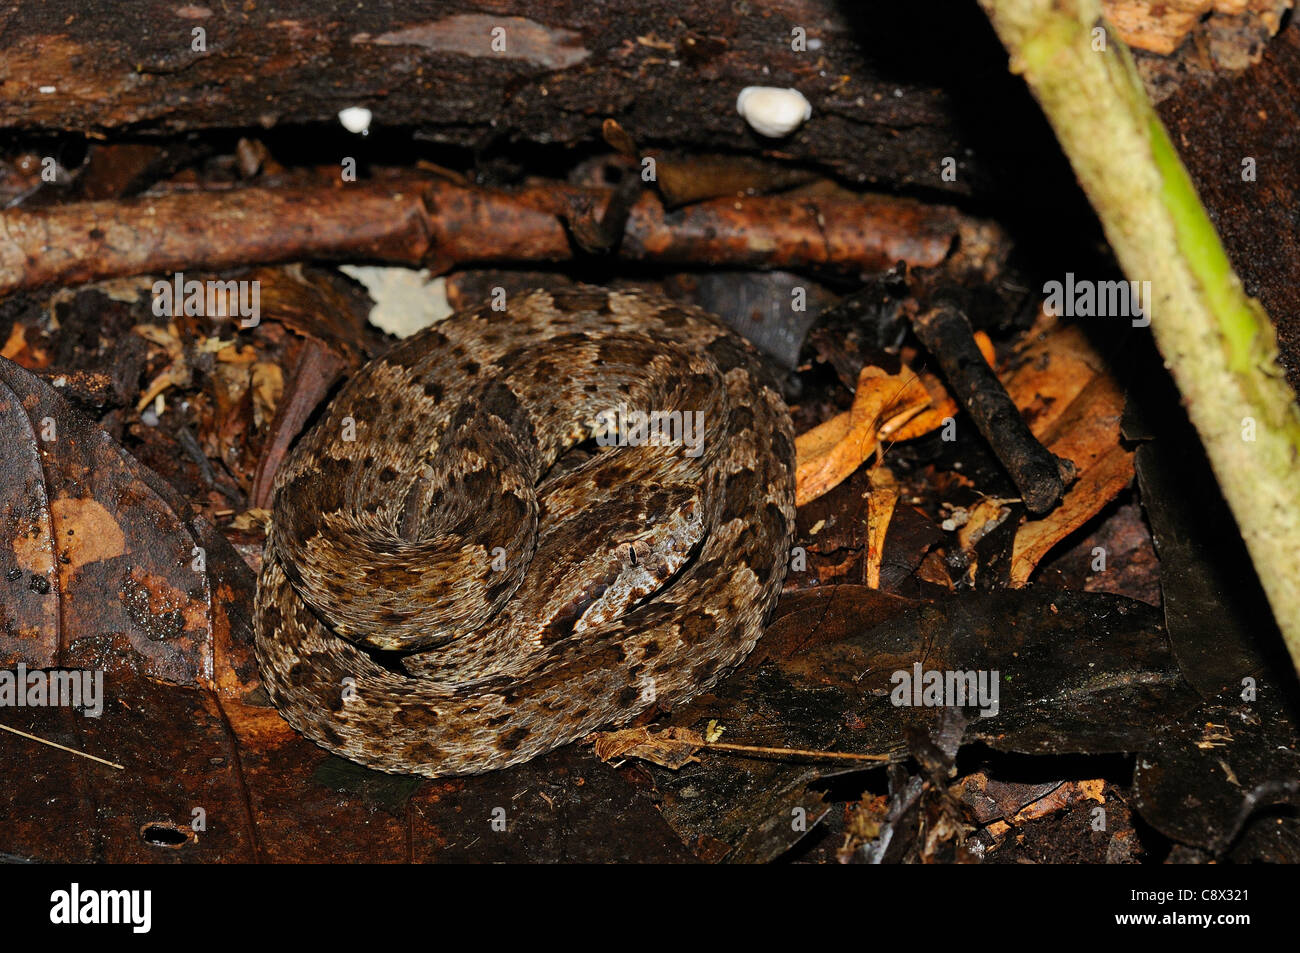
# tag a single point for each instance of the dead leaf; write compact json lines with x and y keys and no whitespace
{"x":214,"y":780}
{"x":830,"y":452}
{"x":670,"y":748}
{"x":900,"y":406}
{"x":1074,"y":406}
{"x":880,"y":510}
{"x":104,"y":566}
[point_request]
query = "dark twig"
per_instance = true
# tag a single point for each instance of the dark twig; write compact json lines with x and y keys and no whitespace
{"x":190,"y":444}
{"x":598,"y":223}
{"x":1038,"y":475}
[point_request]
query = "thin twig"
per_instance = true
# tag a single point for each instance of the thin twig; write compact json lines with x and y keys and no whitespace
{"x":55,"y":744}
{"x":793,"y":752}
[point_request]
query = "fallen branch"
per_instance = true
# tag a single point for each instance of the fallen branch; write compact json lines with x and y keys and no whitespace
{"x":441,"y":225}
{"x":473,"y":75}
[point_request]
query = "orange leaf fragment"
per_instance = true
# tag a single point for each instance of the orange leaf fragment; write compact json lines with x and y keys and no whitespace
{"x":897,"y":406}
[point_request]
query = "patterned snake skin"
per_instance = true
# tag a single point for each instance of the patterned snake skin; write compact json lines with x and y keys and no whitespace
{"x":440,"y":596}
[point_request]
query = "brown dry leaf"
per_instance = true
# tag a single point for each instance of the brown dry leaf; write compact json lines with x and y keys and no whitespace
{"x":1060,"y":798}
{"x":268,"y":387}
{"x":316,"y":304}
{"x":226,"y":424}
{"x":1094,"y":790}
{"x":828,"y":453}
{"x":1071,"y":792}
{"x":900,"y":406}
{"x":1074,"y":407}
{"x":1161,"y":26}
{"x":934,"y":570}
{"x":671,"y":748}
{"x":865,"y":821}
{"x":1158,"y":28}
{"x":251,"y":520}
{"x":981,"y":519}
{"x":177,"y":371}
{"x":880,"y":510}
{"x":18,"y":349}
{"x":319,"y":307}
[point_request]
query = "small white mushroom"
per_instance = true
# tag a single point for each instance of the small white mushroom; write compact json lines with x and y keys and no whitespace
{"x":773,"y":112}
{"x":355,"y":119}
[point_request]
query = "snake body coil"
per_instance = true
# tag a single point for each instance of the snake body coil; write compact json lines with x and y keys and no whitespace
{"x":456,"y":580}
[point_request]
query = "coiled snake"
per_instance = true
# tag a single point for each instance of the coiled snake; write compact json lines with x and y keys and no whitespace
{"x":440,"y":596}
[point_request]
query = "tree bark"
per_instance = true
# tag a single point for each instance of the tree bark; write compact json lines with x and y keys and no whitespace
{"x":882,"y":111}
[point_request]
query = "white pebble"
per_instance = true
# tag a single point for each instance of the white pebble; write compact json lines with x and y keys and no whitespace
{"x":773,"y":112}
{"x":355,"y":119}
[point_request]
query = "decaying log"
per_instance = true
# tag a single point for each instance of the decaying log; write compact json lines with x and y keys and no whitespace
{"x":883,"y":110}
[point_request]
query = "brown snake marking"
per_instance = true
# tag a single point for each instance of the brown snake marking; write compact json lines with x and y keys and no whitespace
{"x":628,"y":578}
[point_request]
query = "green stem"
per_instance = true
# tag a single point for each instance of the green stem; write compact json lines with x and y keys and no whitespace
{"x":1218,"y":342}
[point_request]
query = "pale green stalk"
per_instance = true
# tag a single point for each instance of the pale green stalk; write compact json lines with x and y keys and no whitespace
{"x":1216,"y":341}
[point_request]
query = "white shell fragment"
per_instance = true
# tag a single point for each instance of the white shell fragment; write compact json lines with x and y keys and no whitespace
{"x":773,"y":112}
{"x":355,"y":119}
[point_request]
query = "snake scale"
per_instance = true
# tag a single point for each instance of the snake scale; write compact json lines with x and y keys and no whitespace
{"x":460,"y":575}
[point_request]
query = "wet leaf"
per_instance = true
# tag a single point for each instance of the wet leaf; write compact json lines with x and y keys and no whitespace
{"x":1076,"y":673}
{"x":824,"y":615}
{"x":216,"y":780}
{"x":103,"y":564}
{"x":1219,"y":620}
{"x":1223,"y":765}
